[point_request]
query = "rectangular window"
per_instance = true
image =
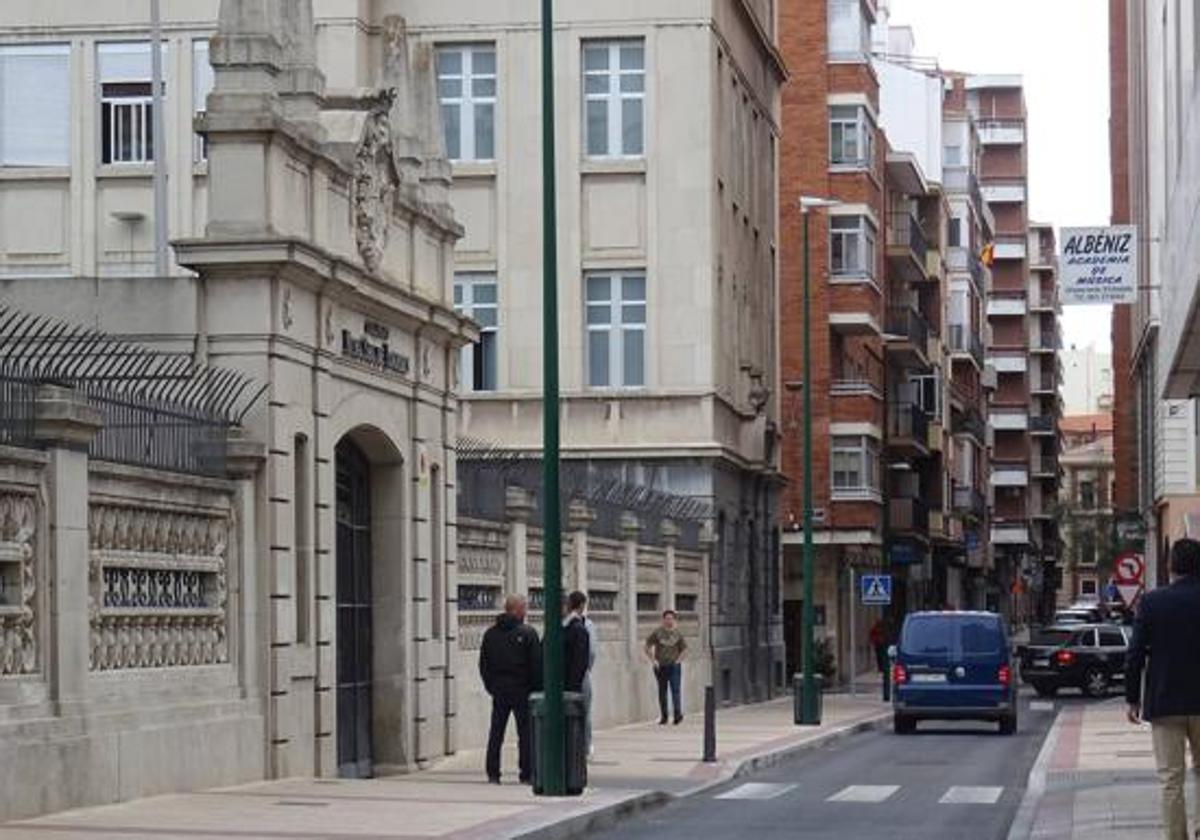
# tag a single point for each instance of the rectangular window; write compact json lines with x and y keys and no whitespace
{"x":1087,"y":548}
{"x":616,"y":330}
{"x":851,"y":246}
{"x":302,"y":556}
{"x":952,"y":155}
{"x":849,"y":31}
{"x":686,"y":603}
{"x":126,"y":103}
{"x":202,"y":85}
{"x":475,"y":295}
{"x":467,"y":89}
{"x":928,"y":392}
{"x":854,"y":463}
{"x":954,"y":232}
{"x":851,"y":137}
{"x":1087,"y":495}
{"x":1087,"y":586}
{"x":35,"y":105}
{"x":614,"y":90}
{"x":647,"y":602}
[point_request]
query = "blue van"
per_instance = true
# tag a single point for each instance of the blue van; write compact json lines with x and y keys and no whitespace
{"x":953,"y":666}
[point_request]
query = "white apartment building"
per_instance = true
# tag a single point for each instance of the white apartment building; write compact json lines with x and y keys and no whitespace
{"x":1087,"y":380}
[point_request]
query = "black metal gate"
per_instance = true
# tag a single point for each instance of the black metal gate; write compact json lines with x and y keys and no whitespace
{"x":353,"y":612}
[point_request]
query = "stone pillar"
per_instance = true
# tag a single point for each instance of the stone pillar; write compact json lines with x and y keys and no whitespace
{"x":669,"y":533}
{"x":579,"y":518}
{"x":65,"y":424}
{"x":244,"y":459}
{"x":631,"y":529}
{"x":518,"y":507}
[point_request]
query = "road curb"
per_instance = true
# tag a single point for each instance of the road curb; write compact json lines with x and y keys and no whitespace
{"x":1023,"y":824}
{"x":612,"y":815}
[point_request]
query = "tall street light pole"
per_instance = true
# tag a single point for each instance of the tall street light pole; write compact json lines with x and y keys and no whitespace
{"x":808,"y":710}
{"x":553,"y":757}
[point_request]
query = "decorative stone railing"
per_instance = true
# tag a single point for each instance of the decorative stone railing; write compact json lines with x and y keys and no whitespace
{"x":18,"y":528}
{"x":157,"y":587}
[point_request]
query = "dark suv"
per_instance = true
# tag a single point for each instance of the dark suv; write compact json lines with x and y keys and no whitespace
{"x":1090,"y":657}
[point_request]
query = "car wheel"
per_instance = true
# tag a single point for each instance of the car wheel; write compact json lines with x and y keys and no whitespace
{"x":1045,"y":689}
{"x":1008,"y":725}
{"x":904,"y":725}
{"x":1095,"y":683}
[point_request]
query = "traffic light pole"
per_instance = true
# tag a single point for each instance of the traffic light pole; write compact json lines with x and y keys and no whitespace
{"x":553,"y":757}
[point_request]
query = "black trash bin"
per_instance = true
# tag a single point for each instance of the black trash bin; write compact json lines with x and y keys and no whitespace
{"x":575,"y":740}
{"x":798,"y":697}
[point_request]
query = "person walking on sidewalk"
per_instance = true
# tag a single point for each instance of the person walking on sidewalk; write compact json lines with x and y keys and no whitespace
{"x":665,"y":648}
{"x":1167,"y":632}
{"x":510,"y":663}
{"x":577,"y":604}
{"x":576,"y":644}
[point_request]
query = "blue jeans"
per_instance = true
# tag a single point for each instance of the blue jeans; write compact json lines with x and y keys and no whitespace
{"x":669,"y":675}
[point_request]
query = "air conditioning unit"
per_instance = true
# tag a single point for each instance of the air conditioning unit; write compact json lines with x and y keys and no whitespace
{"x":988,"y":378}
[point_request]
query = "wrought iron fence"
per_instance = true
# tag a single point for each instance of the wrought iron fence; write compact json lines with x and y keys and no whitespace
{"x":486,"y":471}
{"x":157,"y":409}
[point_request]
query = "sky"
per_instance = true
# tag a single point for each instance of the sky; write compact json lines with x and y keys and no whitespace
{"x":1060,"y":47}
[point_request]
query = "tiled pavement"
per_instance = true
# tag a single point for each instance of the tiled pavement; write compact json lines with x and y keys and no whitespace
{"x":1096,"y":774}
{"x":636,"y":766}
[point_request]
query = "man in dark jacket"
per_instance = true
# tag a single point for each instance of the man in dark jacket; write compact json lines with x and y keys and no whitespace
{"x":1167,"y":631}
{"x":576,"y":648}
{"x":510,"y":663}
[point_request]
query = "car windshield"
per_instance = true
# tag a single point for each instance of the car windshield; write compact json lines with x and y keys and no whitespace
{"x":1069,"y":618}
{"x":969,"y":636}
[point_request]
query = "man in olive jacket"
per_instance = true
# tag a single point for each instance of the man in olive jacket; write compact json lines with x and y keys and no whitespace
{"x":1167,"y":632}
{"x":510,"y":663}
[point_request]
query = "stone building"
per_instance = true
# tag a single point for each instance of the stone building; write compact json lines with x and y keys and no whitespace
{"x":313,"y":240}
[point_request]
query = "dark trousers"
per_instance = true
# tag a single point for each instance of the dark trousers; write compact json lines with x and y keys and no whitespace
{"x":501,"y":708}
{"x":669,"y":675}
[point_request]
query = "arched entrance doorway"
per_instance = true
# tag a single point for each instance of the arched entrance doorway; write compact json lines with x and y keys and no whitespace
{"x":355,"y":673}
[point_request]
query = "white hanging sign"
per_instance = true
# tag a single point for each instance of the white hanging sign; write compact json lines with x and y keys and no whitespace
{"x":1098,"y":265}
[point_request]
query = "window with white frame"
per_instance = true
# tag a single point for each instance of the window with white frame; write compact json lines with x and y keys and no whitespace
{"x":475,"y":295}
{"x":928,"y":392}
{"x":126,"y":102}
{"x":952,"y":154}
{"x":851,"y":137}
{"x":202,"y":84}
{"x":954,"y":237}
{"x":35,"y":105}
{"x":849,"y":31}
{"x":616,"y":329}
{"x":614,"y":91}
{"x":851,"y":246}
{"x":854,"y":465}
{"x":467,"y":89}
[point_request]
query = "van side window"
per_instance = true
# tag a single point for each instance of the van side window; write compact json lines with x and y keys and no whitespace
{"x":1111,"y":638}
{"x":1085,"y":638}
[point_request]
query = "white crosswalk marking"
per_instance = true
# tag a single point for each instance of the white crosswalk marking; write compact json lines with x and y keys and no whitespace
{"x":756,"y":790}
{"x":864,"y":793}
{"x":1041,"y":705}
{"x":966,"y":795}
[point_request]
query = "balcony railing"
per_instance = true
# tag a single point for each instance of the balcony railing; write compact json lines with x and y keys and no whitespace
{"x":963,"y":339}
{"x":1041,"y":423}
{"x":1044,"y":463}
{"x":969,"y":422}
{"x":909,"y":323}
{"x":976,"y":193}
{"x":966,"y":499}
{"x":1047,"y":340}
{"x":976,"y":266}
{"x":908,"y":421}
{"x":905,"y":229}
{"x":909,"y":514}
{"x":854,"y":376}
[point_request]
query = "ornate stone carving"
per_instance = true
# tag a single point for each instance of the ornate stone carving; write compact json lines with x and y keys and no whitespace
{"x":375,"y":182}
{"x":288,"y":316}
{"x":18,"y":584}
{"x":471,"y":628}
{"x":157,"y":588}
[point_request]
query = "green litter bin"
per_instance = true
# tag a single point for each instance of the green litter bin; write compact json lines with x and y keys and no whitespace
{"x":575,"y":740}
{"x":798,"y":698}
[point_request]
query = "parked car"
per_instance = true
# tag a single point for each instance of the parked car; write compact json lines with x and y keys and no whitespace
{"x":953,"y":666}
{"x":1090,"y":657}
{"x":1080,"y":614}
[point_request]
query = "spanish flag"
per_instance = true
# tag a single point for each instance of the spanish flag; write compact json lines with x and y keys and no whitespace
{"x":988,"y":254}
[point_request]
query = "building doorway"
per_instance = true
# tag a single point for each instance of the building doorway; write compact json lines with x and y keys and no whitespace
{"x":354,"y":614}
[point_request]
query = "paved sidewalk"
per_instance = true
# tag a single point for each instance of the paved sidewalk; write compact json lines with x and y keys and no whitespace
{"x":636,"y":766}
{"x":1094,"y":779}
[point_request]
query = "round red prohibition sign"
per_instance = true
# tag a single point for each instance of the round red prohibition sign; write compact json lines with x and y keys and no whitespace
{"x":1130,"y":568}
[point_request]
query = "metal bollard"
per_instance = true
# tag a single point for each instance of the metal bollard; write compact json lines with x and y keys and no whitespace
{"x":710,"y":724}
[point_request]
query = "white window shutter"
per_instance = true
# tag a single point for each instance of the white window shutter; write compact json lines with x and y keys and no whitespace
{"x":35,"y":106}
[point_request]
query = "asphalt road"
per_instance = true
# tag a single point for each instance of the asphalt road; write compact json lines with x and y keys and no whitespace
{"x":949,"y":781}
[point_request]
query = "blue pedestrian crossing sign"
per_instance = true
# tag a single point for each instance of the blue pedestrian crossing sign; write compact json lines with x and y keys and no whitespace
{"x":876,"y":589}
